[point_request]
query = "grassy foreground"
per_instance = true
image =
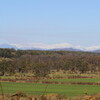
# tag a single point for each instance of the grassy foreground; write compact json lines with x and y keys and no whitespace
{"x":37,"y":89}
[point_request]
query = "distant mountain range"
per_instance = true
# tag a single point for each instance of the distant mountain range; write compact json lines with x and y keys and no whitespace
{"x":14,"y":47}
{"x":7,"y":46}
{"x":55,"y":49}
{"x":97,"y":51}
{"x":65,"y":49}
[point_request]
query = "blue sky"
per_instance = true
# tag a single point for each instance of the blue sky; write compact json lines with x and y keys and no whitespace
{"x":50,"y":22}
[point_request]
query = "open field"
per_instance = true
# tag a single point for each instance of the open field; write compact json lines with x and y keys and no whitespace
{"x":68,"y":80}
{"x":69,"y":86}
{"x":37,"y":89}
{"x":75,"y":80}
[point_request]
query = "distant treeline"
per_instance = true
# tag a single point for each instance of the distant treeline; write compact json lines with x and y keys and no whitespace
{"x":42,"y":63}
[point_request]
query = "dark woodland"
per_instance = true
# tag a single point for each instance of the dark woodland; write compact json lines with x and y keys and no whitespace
{"x":42,"y":63}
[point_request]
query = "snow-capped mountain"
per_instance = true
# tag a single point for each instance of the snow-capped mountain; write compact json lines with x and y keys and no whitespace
{"x":47,"y":47}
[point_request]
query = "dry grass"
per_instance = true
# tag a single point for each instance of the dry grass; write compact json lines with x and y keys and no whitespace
{"x":22,"y":96}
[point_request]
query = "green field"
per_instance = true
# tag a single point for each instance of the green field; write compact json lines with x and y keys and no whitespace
{"x":75,"y":80}
{"x":37,"y":89}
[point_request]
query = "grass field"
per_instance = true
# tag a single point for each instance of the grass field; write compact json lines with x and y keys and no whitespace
{"x":37,"y":89}
{"x":75,"y":80}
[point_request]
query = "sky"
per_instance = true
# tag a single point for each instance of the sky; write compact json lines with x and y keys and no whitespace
{"x":50,"y":23}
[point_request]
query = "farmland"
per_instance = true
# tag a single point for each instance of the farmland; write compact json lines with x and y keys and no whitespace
{"x":69,"y":90}
{"x":64,"y":89}
{"x":75,"y":80}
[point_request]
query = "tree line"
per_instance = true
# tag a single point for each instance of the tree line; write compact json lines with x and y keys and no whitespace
{"x":42,"y":63}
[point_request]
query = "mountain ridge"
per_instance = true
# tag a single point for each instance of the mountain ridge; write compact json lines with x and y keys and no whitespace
{"x":53,"y":49}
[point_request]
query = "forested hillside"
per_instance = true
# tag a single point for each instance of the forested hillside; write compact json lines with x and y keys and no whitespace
{"x":42,"y":63}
